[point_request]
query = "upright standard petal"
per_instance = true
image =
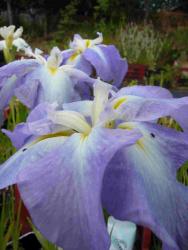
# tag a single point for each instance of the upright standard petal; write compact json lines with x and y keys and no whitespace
{"x":140,"y":184}
{"x":72,"y":177}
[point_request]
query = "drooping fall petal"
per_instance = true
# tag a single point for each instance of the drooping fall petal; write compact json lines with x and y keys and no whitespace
{"x":140,"y":184}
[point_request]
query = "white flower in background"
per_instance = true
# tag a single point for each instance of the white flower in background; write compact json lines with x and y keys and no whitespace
{"x":12,"y":38}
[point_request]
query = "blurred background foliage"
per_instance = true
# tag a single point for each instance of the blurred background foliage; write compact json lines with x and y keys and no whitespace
{"x":48,"y":15}
{"x":161,"y":25}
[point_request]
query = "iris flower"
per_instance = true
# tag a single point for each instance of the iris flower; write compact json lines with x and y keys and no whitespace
{"x":179,"y":115}
{"x":12,"y":38}
{"x":41,"y":79}
{"x":106,"y":153}
{"x":90,"y":55}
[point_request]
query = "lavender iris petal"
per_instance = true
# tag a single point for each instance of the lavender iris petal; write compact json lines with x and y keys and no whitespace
{"x":140,"y":184}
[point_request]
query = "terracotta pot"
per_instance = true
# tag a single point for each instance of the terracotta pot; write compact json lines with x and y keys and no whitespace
{"x":146,"y":239}
{"x":6,"y":112}
{"x":136,"y":72}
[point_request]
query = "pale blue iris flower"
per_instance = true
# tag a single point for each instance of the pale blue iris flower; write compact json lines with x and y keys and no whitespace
{"x":95,"y":58}
{"x":42,"y":79}
{"x":102,"y":153}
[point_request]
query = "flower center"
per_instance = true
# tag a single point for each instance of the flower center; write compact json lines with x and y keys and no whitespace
{"x":79,"y":45}
{"x":54,"y":60}
{"x":52,"y":70}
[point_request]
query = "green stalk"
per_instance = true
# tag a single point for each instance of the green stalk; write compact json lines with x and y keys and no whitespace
{"x":12,"y":117}
{"x":17,"y":227}
{"x":46,"y":245}
{"x":5,"y":226}
{"x":8,"y":55}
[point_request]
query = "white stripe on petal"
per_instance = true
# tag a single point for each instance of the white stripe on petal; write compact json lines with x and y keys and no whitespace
{"x":55,"y":58}
{"x":72,"y":120}
{"x":101,"y":93}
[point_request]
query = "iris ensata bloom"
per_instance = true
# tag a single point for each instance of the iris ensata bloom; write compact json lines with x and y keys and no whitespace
{"x":106,"y":153}
{"x":178,"y":114}
{"x":41,"y":79}
{"x":12,"y":38}
{"x":93,"y":57}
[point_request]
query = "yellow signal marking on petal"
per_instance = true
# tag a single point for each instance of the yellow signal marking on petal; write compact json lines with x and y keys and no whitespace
{"x":88,"y":43}
{"x":52,"y":70}
{"x":141,"y":145}
{"x":58,"y":134}
{"x":73,"y":57}
{"x":126,"y":126}
{"x":83,"y":137}
{"x":119,"y":102}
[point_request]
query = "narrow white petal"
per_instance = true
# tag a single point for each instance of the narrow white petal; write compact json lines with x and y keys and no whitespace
{"x":18,"y":33}
{"x":55,"y":58}
{"x":38,"y":51}
{"x":101,"y":93}
{"x":97,"y":40}
{"x":20,"y":44}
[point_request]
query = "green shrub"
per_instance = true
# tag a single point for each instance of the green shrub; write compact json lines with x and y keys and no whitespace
{"x":142,"y":45}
